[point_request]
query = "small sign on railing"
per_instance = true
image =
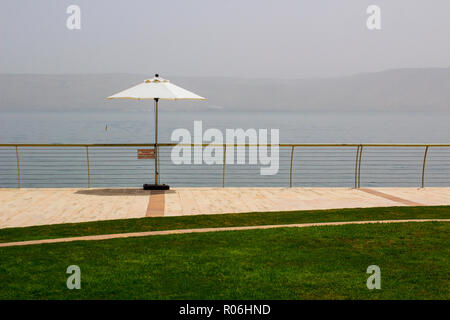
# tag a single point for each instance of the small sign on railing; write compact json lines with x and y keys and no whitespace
{"x":146,"y":153}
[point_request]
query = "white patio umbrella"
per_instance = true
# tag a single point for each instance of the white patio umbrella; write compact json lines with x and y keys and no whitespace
{"x":156,"y":89}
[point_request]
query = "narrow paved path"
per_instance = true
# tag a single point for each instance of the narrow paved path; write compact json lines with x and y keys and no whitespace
{"x":202,"y":230}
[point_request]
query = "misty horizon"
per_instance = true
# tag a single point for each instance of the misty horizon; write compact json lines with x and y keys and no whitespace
{"x":417,"y":89}
{"x":151,"y":74}
{"x":286,"y":55}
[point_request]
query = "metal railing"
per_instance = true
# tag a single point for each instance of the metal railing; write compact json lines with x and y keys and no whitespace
{"x":320,"y":165}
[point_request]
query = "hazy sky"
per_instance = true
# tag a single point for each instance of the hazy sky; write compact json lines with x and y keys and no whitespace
{"x":238,"y":38}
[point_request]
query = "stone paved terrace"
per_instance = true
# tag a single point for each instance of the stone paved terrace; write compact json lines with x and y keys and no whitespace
{"x":28,"y":207}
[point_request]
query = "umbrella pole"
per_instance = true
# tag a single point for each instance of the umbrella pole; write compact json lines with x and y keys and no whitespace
{"x":156,"y":185}
{"x":156,"y":142}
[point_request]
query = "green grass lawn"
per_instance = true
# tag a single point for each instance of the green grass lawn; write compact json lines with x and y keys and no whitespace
{"x":287,"y":263}
{"x":223,"y":220}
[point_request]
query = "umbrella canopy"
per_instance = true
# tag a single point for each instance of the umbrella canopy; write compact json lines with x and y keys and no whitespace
{"x":156,"y":88}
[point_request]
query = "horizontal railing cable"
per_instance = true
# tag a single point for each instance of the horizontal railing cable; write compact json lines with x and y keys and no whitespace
{"x":297,"y":165}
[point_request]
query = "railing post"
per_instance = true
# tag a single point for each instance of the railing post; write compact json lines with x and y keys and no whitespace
{"x":18,"y":167}
{"x":423,"y":167}
{"x":88,"y":167}
{"x":356,"y":167}
{"x":292,"y":160}
{"x":224,"y":162}
{"x":359,"y":166}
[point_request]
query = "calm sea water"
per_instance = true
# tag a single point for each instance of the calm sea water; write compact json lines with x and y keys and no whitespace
{"x":112,"y":167}
{"x":295,"y":127}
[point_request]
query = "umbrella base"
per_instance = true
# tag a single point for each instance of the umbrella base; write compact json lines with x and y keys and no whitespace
{"x":156,"y":187}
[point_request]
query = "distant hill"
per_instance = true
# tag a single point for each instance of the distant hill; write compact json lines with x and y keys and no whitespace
{"x":399,"y":90}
